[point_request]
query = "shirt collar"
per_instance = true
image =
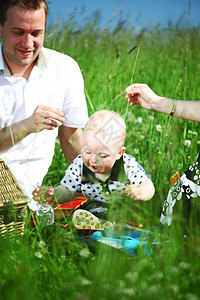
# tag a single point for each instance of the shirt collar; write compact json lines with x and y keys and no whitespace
{"x":1,"y":59}
{"x":41,"y":63}
{"x":3,"y":66}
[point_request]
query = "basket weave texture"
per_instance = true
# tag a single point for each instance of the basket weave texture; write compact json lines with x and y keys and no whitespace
{"x":13,"y":203}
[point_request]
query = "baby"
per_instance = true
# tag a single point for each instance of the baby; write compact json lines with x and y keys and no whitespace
{"x":102,"y":169}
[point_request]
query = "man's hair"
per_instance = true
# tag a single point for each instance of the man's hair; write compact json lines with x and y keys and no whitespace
{"x":109,"y":124}
{"x":25,"y":4}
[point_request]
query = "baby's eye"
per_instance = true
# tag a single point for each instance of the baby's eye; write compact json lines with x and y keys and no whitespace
{"x":87,"y":151}
{"x":103,"y":156}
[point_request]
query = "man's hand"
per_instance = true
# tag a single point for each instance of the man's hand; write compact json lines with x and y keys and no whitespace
{"x":44,"y":117}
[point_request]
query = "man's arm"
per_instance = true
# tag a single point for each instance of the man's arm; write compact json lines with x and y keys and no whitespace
{"x":11,"y":135}
{"x":43,"y":117}
{"x":70,"y":141}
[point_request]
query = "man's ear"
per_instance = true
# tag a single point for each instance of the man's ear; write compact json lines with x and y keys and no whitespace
{"x":121,"y":152}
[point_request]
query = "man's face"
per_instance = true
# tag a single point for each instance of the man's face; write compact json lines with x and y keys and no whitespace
{"x":22,"y":36}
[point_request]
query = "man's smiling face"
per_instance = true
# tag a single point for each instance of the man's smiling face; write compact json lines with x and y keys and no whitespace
{"x":22,"y":36}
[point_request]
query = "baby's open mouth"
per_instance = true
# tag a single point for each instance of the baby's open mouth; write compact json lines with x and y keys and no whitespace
{"x":95,"y":168}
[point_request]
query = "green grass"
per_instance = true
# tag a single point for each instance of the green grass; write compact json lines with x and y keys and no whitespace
{"x":168,"y":61}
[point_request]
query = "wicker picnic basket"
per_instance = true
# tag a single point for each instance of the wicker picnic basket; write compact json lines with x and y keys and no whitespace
{"x":13,"y":203}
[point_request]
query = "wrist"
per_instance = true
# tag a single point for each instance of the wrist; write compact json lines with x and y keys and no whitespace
{"x":156,"y":103}
{"x":26,"y":126}
{"x":164,"y":105}
{"x":173,"y":111}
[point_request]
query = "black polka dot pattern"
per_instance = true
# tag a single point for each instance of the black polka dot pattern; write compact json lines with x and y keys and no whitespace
{"x":185,"y":190}
{"x":98,"y":190}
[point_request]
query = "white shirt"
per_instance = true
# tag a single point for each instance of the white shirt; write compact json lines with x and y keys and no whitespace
{"x":55,"y":81}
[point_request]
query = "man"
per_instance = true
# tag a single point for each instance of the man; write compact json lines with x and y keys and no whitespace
{"x":40,"y":90}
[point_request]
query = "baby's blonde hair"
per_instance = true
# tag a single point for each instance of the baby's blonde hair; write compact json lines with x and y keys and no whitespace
{"x":109,"y":124}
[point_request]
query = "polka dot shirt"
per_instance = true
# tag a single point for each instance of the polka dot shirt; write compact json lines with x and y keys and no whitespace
{"x":125,"y":171}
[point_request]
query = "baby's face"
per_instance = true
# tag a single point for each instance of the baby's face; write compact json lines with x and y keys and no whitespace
{"x":99,"y":154}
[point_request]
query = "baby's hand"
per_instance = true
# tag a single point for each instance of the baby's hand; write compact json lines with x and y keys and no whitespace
{"x":42,"y":193}
{"x":133,"y":192}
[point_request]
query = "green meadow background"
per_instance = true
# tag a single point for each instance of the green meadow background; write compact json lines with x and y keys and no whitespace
{"x":167,"y":59}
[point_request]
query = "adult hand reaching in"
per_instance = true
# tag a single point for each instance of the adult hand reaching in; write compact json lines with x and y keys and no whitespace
{"x":141,"y":94}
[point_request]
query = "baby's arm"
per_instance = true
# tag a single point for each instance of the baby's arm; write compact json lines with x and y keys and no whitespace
{"x":61,"y":193}
{"x":143,"y":192}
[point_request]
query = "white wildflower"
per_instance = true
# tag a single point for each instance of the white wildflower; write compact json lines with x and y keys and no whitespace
{"x":138,"y":120}
{"x":128,"y":116}
{"x":129,"y":292}
{"x":191,"y":297}
{"x":184,"y":265}
{"x":154,"y":290}
{"x":122,"y":284}
{"x":187,"y":143}
{"x":158,"y":276}
{"x":158,"y":127}
{"x":192,"y":132}
{"x":175,"y":289}
{"x":136,"y":151}
{"x":38,"y":254}
{"x":42,"y":244}
{"x":175,"y":270}
{"x":84,"y":281}
{"x":132,"y":276}
{"x":84,"y":252}
{"x":151,"y":117}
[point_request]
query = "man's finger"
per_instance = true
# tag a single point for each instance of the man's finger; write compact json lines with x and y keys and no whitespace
{"x":52,"y":122}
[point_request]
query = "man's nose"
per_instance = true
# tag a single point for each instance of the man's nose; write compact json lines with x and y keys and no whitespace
{"x":27,"y":41}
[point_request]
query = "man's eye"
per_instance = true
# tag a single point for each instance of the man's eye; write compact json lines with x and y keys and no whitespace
{"x":35,"y":34}
{"x":18,"y":32}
